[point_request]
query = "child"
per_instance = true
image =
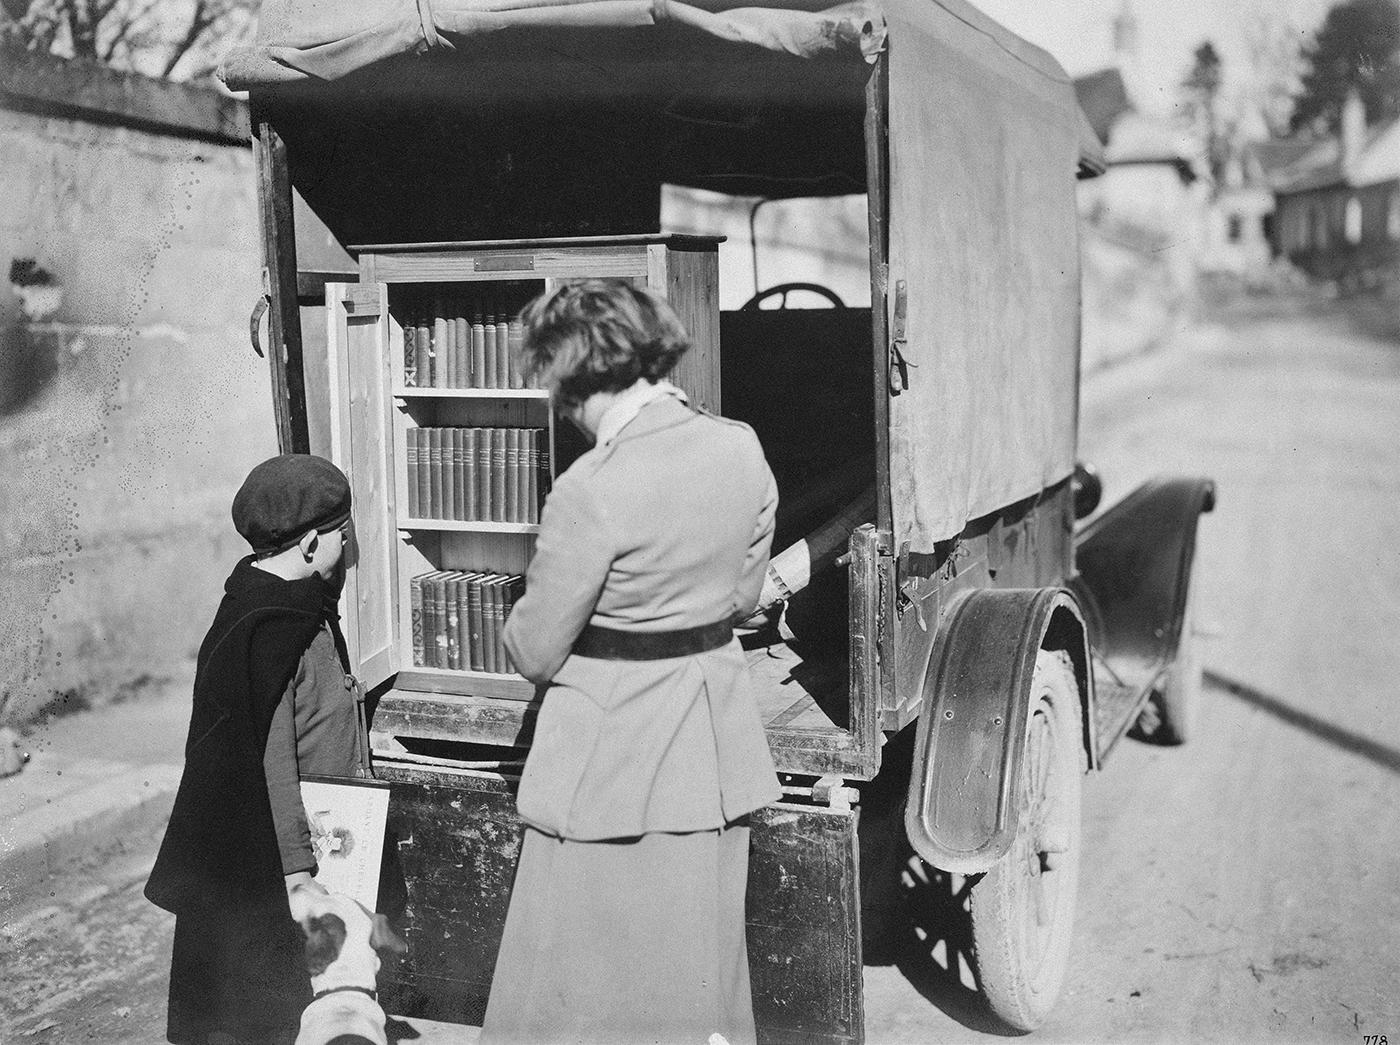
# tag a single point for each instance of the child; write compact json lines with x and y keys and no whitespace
{"x":273,"y":699}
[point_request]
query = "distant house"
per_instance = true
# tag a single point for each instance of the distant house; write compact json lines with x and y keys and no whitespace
{"x":1239,"y":237}
{"x":1338,"y":205}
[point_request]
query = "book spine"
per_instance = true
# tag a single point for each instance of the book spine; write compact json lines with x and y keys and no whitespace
{"x":488,"y":624}
{"x":454,"y":651}
{"x":411,"y":452}
{"x":478,"y":328}
{"x":508,"y":328}
{"x":425,"y":476}
{"x":483,"y":474}
{"x":502,"y":352}
{"x":459,"y":489}
{"x":434,"y":505}
{"x":515,"y":340}
{"x":513,"y":589}
{"x":440,"y":620}
{"x":424,"y":341}
{"x":410,"y":360}
{"x":544,"y":473}
{"x":464,"y":622}
{"x":532,"y":465}
{"x":429,"y":612}
{"x":475,"y":623}
{"x":499,"y":618}
{"x":440,"y":359}
{"x":468,"y":479}
{"x":498,"y":475}
{"x":512,"y":512}
{"x":449,"y":477}
{"x":462,"y":340}
{"x":423,"y":352}
{"x":415,"y":603}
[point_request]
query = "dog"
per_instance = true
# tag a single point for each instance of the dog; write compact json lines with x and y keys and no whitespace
{"x":342,"y":944}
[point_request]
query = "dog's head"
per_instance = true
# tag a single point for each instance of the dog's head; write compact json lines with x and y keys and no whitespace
{"x":342,"y":937}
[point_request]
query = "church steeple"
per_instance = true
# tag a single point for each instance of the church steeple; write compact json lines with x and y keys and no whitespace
{"x":1126,"y":55}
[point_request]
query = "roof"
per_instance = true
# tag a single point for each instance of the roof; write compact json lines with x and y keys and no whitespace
{"x":1320,"y":166}
{"x":1104,"y":97}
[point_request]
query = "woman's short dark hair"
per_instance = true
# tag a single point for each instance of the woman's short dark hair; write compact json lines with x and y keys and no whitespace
{"x":599,"y":335}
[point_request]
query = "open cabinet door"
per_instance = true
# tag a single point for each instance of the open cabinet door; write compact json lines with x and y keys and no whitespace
{"x":357,"y":358}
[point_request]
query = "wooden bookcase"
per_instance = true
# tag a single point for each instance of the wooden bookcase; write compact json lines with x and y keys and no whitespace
{"x":379,"y":403}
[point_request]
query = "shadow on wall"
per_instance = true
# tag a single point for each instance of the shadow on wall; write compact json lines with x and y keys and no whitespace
{"x":28,"y":363}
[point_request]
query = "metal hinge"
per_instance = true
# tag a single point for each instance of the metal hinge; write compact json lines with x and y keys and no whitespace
{"x":898,"y":375}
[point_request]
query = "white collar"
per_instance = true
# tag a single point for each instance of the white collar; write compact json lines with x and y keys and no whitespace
{"x":628,"y":404}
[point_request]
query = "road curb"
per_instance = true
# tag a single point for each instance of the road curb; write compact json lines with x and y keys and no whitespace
{"x":85,"y":826}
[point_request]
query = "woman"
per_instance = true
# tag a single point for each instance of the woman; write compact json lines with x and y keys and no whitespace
{"x":627,"y":918}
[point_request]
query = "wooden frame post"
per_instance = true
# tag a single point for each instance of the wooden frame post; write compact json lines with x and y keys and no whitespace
{"x":279,"y":252}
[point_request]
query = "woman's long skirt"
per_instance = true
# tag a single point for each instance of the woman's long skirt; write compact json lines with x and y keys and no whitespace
{"x":625,"y":941}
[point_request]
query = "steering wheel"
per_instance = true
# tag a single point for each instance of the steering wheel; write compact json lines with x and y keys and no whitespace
{"x":784,"y":289}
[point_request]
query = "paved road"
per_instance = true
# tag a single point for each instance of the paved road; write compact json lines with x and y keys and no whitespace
{"x":1246,"y":887}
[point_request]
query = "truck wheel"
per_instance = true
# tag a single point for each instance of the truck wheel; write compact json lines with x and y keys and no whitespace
{"x":1170,"y":714}
{"x":1023,"y":908}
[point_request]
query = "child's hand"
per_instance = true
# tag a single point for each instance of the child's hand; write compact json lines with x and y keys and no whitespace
{"x":303,"y":879}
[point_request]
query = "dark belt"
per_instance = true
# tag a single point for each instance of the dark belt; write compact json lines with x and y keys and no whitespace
{"x":612,"y":644}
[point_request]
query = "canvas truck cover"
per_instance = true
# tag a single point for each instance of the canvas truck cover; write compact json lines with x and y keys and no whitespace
{"x":984,"y":140}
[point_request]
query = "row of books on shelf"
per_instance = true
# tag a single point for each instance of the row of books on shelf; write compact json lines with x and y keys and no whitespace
{"x":459,"y":619}
{"x":448,"y":347}
{"x":477,"y":474}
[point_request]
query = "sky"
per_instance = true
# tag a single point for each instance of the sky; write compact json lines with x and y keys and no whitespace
{"x":1079,"y":34}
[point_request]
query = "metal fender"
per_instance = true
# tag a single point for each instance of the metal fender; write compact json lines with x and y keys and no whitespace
{"x":962,"y":811}
{"x":1134,"y":572}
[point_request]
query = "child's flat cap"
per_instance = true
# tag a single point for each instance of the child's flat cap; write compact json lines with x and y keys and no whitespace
{"x":287,"y":495}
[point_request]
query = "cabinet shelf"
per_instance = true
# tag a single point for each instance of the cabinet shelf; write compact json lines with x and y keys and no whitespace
{"x":409,"y":392}
{"x":467,"y":526}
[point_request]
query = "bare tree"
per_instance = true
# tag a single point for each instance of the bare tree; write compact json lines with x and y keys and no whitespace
{"x":1275,"y":66}
{"x":177,"y":39}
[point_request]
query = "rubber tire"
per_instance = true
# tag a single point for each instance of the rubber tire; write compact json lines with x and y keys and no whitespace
{"x":1170,"y":718}
{"x":1021,"y":966}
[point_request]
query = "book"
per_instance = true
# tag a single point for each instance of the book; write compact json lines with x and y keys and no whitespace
{"x":468,"y":480}
{"x":503,"y":350}
{"x":497,"y":500}
{"x":490,"y":621}
{"x":542,"y":474}
{"x":512,"y":589}
{"x":411,"y":450}
{"x":415,"y":602}
{"x":475,"y":623}
{"x":440,"y":356}
{"x":425,"y":477}
{"x":512,"y":341}
{"x":512,"y":465}
{"x":454,"y":651}
{"x":462,"y":340}
{"x":483,"y":474}
{"x":464,"y":641}
{"x":423,"y":339}
{"x":478,"y":332}
{"x":410,"y":362}
{"x":422,"y":354}
{"x":434,"y":505}
{"x":515,"y":340}
{"x":459,"y":473}
{"x":449,"y":476}
{"x":530,"y":498}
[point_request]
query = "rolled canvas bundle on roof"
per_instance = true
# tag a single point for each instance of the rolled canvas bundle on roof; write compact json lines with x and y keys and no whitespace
{"x":328,"y":39}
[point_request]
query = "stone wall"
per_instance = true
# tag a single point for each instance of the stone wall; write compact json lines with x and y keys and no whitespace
{"x":129,"y":414}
